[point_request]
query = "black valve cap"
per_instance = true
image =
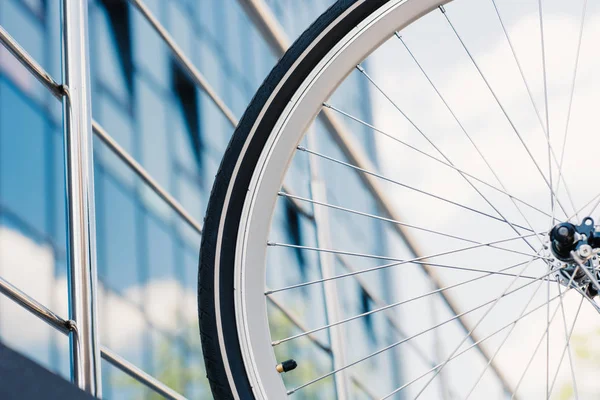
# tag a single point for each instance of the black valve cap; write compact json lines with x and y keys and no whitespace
{"x":286,"y":366}
{"x":563,"y":239}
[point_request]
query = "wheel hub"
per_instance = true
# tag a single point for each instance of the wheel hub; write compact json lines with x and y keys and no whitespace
{"x":576,"y":248}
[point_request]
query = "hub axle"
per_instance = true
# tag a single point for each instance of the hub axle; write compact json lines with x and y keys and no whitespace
{"x":576,"y":247}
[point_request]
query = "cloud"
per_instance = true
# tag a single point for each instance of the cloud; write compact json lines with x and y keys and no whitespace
{"x":30,"y":266}
{"x":434,"y":44}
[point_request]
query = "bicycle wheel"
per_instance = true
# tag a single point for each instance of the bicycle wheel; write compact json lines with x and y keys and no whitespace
{"x":490,"y":259}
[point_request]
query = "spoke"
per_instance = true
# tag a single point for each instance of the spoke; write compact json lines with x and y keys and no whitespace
{"x":504,"y":340}
{"x":510,"y":121}
{"x":380,"y":218}
{"x":468,"y":335}
{"x":562,"y":153}
{"x":584,"y":294}
{"x":391,"y":318}
{"x":382,"y":177}
{"x":590,"y":276}
{"x":467,"y":349}
{"x":299,"y":325}
{"x":512,"y":49}
{"x":533,"y":103}
{"x":547,"y":132}
{"x":568,"y":349}
{"x":399,"y":303}
{"x":595,"y":198}
{"x":389,"y":135}
{"x":543,"y":44}
{"x":505,"y":191}
{"x":362,"y":70}
{"x":537,"y":347}
{"x":548,"y":322}
{"x":395,"y":344}
{"x":595,"y":206}
{"x":380,"y":257}
{"x":569,"y":285}
{"x":417,"y":260}
{"x":303,"y":284}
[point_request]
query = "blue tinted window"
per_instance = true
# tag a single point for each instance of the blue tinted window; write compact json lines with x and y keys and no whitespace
{"x":150,"y":52}
{"x":22,"y":157}
{"x":191,"y":194}
{"x":180,"y":27}
{"x":153,"y":132}
{"x":113,"y":46}
{"x":117,"y":250}
{"x":187,"y":110}
{"x":20,"y":24}
{"x":118,"y":124}
{"x":160,"y":251}
{"x":56,"y":181}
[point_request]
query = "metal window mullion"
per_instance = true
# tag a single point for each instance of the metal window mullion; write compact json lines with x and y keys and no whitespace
{"x":139,"y":375}
{"x":81,"y":223}
{"x":356,"y":156}
{"x":363,"y":387}
{"x":260,"y":13}
{"x":438,"y":350}
{"x":145,"y":176}
{"x":57,"y":90}
{"x":389,"y":314}
{"x":183,"y":61}
{"x":199,"y":79}
{"x":333,"y":309}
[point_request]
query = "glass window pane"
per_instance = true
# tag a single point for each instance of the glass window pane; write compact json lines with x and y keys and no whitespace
{"x":23,"y":156}
{"x":116,"y":234}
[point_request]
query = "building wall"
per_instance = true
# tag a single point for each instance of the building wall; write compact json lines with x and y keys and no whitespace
{"x":147,"y":255}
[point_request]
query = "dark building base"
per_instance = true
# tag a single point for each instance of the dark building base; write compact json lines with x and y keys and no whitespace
{"x":21,"y":378}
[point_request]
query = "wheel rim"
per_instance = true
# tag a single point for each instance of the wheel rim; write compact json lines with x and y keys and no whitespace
{"x":251,"y":264}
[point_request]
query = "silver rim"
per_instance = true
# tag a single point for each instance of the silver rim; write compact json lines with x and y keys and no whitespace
{"x":253,"y":328}
{"x":253,"y":236}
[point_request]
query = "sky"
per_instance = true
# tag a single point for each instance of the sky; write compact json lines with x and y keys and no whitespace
{"x":437,"y":49}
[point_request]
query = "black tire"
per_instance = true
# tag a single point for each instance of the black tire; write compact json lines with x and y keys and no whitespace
{"x":357,"y":10}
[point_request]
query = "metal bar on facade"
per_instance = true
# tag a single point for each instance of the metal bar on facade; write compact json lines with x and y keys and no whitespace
{"x":81,"y":218}
{"x":57,"y":91}
{"x":184,"y":62}
{"x":356,"y":156}
{"x":260,"y":13}
{"x":28,"y":62}
{"x":145,"y":176}
{"x":36,"y":308}
{"x":332,"y":304}
{"x":201,"y":81}
{"x":139,"y":375}
{"x":359,"y":384}
{"x":68,"y":326}
{"x":379,"y":303}
{"x":296,"y":322}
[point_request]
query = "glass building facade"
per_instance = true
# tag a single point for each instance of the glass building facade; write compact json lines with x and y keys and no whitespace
{"x":147,"y":254}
